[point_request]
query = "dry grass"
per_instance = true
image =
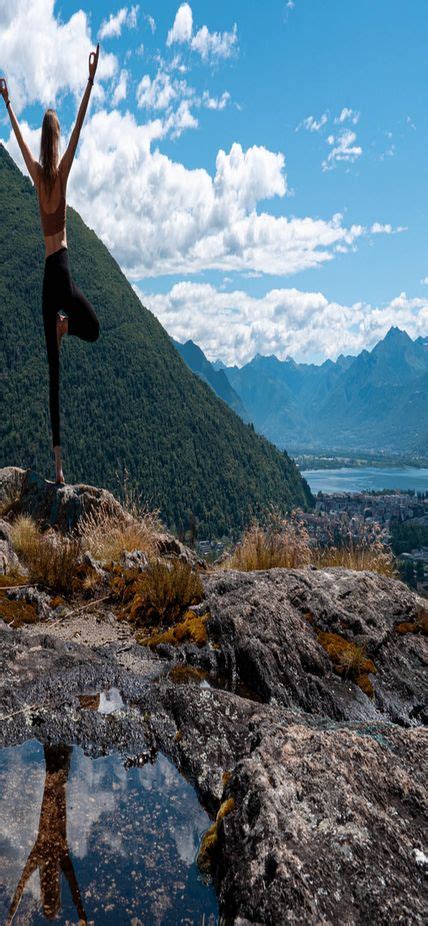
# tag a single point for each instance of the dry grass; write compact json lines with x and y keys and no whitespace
{"x":161,"y":593}
{"x":360,"y":555}
{"x":24,"y":535}
{"x":51,"y":558}
{"x":283,"y":542}
{"x":107,"y":536}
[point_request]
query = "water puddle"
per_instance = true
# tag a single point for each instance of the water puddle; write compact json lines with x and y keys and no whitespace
{"x":90,"y":841}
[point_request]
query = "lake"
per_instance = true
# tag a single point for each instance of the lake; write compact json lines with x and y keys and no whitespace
{"x":366,"y":478}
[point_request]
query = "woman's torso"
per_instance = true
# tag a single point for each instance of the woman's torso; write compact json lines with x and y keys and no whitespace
{"x":49,"y":205}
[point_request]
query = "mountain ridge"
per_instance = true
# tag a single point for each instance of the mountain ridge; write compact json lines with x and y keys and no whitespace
{"x":376,"y":400}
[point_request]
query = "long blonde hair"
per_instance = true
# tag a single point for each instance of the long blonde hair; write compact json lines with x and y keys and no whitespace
{"x":49,"y":149}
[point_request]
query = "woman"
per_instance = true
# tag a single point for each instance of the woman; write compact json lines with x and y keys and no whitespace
{"x":59,"y":291}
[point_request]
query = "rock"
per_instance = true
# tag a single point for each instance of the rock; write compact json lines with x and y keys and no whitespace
{"x":26,"y":492}
{"x":324,"y":828}
{"x":168,"y":545}
{"x":62,"y":506}
{"x":137,"y":559}
{"x":265,"y":625}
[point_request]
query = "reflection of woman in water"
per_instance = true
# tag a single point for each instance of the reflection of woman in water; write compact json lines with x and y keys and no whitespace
{"x":50,"y":851}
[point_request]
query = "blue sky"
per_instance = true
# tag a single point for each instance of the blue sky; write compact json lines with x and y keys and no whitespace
{"x":258,"y":170}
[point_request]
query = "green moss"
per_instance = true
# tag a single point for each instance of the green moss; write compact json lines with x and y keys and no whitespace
{"x":191,"y":628}
{"x":208,"y":847}
{"x":419,"y":625}
{"x":349,"y":659}
{"x":17,"y":613}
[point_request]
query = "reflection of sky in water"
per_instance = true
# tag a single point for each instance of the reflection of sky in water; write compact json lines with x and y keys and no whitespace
{"x":132,"y":837}
{"x":366,"y":479}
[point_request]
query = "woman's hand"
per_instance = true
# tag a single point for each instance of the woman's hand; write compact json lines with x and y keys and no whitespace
{"x":3,"y":89}
{"x":93,"y":64}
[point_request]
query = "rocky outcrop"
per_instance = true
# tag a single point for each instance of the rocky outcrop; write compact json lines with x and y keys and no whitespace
{"x":24,"y":491}
{"x":299,"y":720}
{"x":326,"y":820}
{"x":268,"y":627}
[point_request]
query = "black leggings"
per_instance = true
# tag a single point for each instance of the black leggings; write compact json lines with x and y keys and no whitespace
{"x":59,"y":292}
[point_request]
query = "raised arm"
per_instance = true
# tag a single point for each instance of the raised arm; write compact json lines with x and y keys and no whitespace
{"x":67,"y":158}
{"x":30,"y":160}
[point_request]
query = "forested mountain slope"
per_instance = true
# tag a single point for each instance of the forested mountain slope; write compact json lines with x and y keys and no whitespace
{"x":128,"y":400}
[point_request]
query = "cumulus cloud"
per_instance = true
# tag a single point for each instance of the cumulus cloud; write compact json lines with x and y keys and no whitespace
{"x":120,"y":90}
{"x":209,"y":45}
{"x":157,"y":216}
{"x":234,"y":326}
{"x":112,"y":27}
{"x":54,"y":61}
{"x":183,"y":25}
{"x":343,"y":149}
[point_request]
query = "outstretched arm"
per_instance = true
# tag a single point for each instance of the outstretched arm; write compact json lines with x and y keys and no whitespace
{"x":67,"y":159}
{"x":30,"y":160}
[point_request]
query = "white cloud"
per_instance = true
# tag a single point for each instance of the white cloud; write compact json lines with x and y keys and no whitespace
{"x":157,"y":93}
{"x":209,"y":45}
{"x":54,"y":61}
{"x":425,"y":281}
{"x":156,"y":216}
{"x":121,"y":88}
{"x":183,"y":25}
{"x":343,"y":149}
{"x":215,"y":102}
{"x":234,"y":326}
{"x":151,"y":21}
{"x":313,"y":125}
{"x":163,"y":92}
{"x":112,"y":27}
{"x":347,"y":115}
{"x":214,"y":44}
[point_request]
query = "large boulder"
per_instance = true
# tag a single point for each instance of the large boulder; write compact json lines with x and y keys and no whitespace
{"x":269,"y":625}
{"x":23,"y":491}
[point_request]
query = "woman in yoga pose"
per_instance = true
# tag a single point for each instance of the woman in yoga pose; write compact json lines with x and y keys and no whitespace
{"x":59,"y":292}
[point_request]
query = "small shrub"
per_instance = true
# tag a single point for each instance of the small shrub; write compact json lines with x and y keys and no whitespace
{"x":284,"y":542}
{"x":161,"y":593}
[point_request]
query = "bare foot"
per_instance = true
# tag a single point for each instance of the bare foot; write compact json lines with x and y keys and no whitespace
{"x":61,"y":327}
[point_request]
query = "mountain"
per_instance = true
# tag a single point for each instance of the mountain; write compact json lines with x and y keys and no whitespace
{"x":375,"y":401}
{"x":129,"y":404}
{"x":217,"y":379}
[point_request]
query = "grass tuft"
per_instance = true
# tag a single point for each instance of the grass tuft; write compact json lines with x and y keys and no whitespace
{"x":107,"y":536}
{"x":284,"y":542}
{"x":160,"y":594}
